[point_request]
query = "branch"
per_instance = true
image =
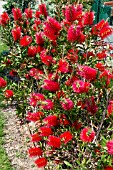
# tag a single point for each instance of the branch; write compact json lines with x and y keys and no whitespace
{"x":102,"y":120}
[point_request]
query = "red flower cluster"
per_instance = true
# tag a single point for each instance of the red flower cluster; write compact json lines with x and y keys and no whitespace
{"x":28,"y":13}
{"x":4,"y":19}
{"x":16,"y":33}
{"x":66,"y":137}
{"x":35,"y":152}
{"x":80,"y":86}
{"x":102,"y":28}
{"x":110,"y":108}
{"x":51,"y":28}
{"x":41,"y":162}
{"x":87,"y":135}
{"x":35,"y":137}
{"x":108,"y":168}
{"x":91,"y":106}
{"x":75,"y":34}
{"x":34,"y":116}
{"x":47,"y":104}
{"x":25,"y":41}
{"x":87,"y":72}
{"x":54,"y":141}
{"x":67,"y":104}
{"x":3,"y":82}
{"x":51,"y":120}
{"x":8,"y":93}
{"x":32,"y":51}
{"x":50,"y":85}
{"x":45,"y":131}
{"x":39,"y":38}
{"x":109,"y":145}
{"x":17,"y":14}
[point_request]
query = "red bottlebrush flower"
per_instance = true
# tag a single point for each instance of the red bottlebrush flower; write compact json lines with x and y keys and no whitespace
{"x":47,"y":104}
{"x":70,"y":13}
{"x":32,"y":51}
{"x":54,"y":141}
{"x":87,"y":72}
{"x":72,"y":56}
{"x":50,"y":85}
{"x":34,"y":116}
{"x":99,"y":26}
{"x":28,"y":13}
{"x":43,"y":10}
{"x":13,"y":73}
{"x":109,"y":145}
{"x":80,"y":86}
{"x":41,"y":162}
{"x":35,"y":152}
{"x":37,"y":14}
{"x":108,"y":168}
{"x":34,"y":27}
{"x":63,"y":120}
{"x":110,"y":108}
{"x":51,"y":28}
{"x":107,"y":76}
{"x":100,"y":66}
{"x":16,"y":33}
{"x":66,"y":137}
{"x":39,"y":39}
{"x":102,"y":24}
{"x":27,"y":76}
{"x":4,"y":19}
{"x":33,"y":102}
{"x":102,"y":55}
{"x":37,"y":96}
{"x":25,"y":41}
{"x":35,"y":138}
{"x":45,"y":131}
{"x":50,"y":35}
{"x":60,"y":94}
{"x":106,"y":31}
{"x":46,"y":59}
{"x":87,"y":135}
{"x":63,"y":66}
{"x":76,"y":124}
{"x":37,"y":22}
{"x":88,"y":18}
{"x":33,"y":72}
{"x":74,"y":33}
{"x":17,"y":14}
{"x":3,"y":82}
{"x":67,"y":104}
{"x":51,"y":120}
{"x":8,"y":93}
{"x":91,"y":106}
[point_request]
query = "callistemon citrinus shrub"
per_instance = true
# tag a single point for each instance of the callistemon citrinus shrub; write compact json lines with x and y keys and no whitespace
{"x":64,"y":85}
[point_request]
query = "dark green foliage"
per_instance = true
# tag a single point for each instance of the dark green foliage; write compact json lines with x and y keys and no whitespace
{"x":22,"y":4}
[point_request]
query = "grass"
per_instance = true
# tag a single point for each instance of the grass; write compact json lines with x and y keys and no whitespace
{"x":4,"y":161}
{"x":3,"y":47}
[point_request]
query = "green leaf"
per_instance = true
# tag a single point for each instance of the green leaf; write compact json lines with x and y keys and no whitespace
{"x":68,"y":164}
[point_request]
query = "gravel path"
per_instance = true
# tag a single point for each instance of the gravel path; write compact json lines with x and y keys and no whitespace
{"x":17,"y":142}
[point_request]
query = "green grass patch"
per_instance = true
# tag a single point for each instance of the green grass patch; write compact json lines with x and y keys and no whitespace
{"x":3,"y":47}
{"x":4,"y":161}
